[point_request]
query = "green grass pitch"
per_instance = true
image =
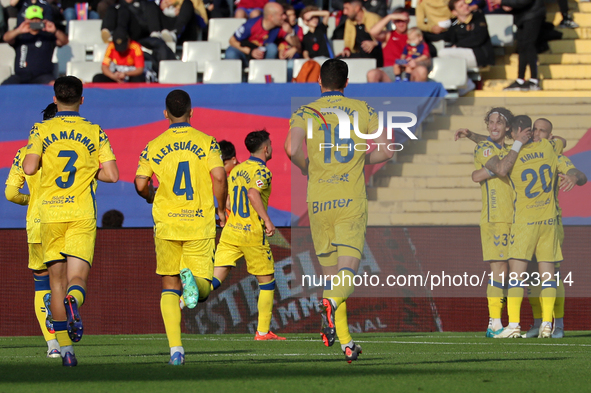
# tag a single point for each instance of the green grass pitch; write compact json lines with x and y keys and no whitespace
{"x":402,"y":362}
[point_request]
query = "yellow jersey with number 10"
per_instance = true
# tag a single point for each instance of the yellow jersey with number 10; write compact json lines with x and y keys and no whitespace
{"x":244,"y":226}
{"x":71,"y":149}
{"x":182,"y":158}
{"x":336,"y":164}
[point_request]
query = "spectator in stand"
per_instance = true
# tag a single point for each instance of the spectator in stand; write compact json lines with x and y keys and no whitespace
{"x":528,"y":16}
{"x":177,"y":21}
{"x":415,"y":52}
{"x":258,"y":38}
{"x":19,"y":7}
{"x":3,"y":24}
{"x":354,"y":30}
{"x":34,"y":41}
{"x":393,"y":43}
{"x":567,"y":20}
{"x":69,"y":12}
{"x":249,"y":9}
{"x":141,"y":20}
{"x":315,"y":43}
{"x":433,"y":18}
{"x":379,"y":7}
{"x":287,"y":51}
{"x":123,"y":62}
{"x":469,"y":36}
{"x":217,"y":9}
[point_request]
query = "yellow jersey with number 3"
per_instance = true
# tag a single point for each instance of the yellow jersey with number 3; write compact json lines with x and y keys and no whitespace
{"x":497,"y":194}
{"x":182,"y":158}
{"x":17,"y":178}
{"x":71,"y":149}
{"x":336,"y":164}
{"x":244,"y":226}
{"x":533,"y":178}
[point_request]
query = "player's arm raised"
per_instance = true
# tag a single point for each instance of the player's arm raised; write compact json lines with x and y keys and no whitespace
{"x":294,"y":147}
{"x":501,"y":167}
{"x":379,"y":154}
{"x":466,"y":133}
{"x":220,"y":191}
{"x":254,"y":196}
{"x":109,"y":172}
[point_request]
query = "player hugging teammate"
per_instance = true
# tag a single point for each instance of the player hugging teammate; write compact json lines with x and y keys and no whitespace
{"x":521,"y":220}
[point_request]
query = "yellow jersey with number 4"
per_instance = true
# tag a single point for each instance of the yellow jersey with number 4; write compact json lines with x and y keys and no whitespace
{"x":244,"y":226}
{"x":17,"y":178}
{"x":182,"y":158}
{"x":336,"y":163}
{"x":71,"y":149}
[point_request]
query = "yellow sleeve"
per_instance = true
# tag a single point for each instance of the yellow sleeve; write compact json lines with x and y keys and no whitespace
{"x":262,"y":179}
{"x":144,"y":168}
{"x":482,"y":153}
{"x":13,"y":195}
{"x":35,"y":145}
{"x":214,"y":159}
{"x":298,"y":120}
{"x":16,"y":176}
{"x":374,"y":121}
{"x":557,"y":145}
{"x":105,"y":149}
{"x":564,"y":164}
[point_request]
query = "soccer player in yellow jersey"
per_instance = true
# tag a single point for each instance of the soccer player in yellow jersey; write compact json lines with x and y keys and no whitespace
{"x":71,"y":150}
{"x":495,"y":218}
{"x":15,"y":181}
{"x":337,"y":199}
{"x":184,"y":160}
{"x":248,"y":227}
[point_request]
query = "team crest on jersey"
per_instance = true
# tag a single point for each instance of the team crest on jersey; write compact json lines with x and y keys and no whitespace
{"x":486,"y":153}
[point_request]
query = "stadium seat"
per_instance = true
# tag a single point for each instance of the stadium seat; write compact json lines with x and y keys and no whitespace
{"x":221,"y":29}
{"x":451,"y":72}
{"x":11,"y":23}
{"x":259,"y":68}
{"x":332,"y":24}
{"x":7,"y":56}
{"x":177,"y":72}
{"x":338,"y":46}
{"x":412,"y":21}
{"x":74,"y":51}
{"x":98,"y":53}
{"x":201,"y":51}
{"x":222,"y":71}
{"x":84,"y":70}
{"x":4,"y":72}
{"x":87,"y":32}
{"x":358,"y":69}
{"x":500,"y":29}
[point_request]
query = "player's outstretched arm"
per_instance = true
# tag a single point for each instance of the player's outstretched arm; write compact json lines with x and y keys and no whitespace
{"x":145,"y":188}
{"x":294,"y":147}
{"x":573,"y":177}
{"x":466,"y":133}
{"x":220,"y":191}
{"x":14,"y":195}
{"x":481,"y":174}
{"x":561,"y":138}
{"x":381,"y":153}
{"x":109,"y":173}
{"x":254,"y":196}
{"x":501,"y":167}
{"x":31,"y":164}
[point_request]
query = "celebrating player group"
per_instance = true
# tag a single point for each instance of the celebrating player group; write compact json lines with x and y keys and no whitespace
{"x":521,"y":222}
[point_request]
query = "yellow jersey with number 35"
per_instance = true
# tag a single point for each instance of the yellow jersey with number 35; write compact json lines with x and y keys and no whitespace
{"x":336,"y":163}
{"x":244,"y":226}
{"x":71,"y":149}
{"x":497,"y":193}
{"x":533,"y":178}
{"x":17,"y":178}
{"x":182,"y":158}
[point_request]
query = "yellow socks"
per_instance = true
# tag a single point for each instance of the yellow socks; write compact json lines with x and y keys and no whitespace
{"x":495,"y":294}
{"x":42,"y":288}
{"x":341,"y":324}
{"x":171,"y":315}
{"x":533,"y":293}
{"x":342,"y":286}
{"x":78,"y":292}
{"x":547,"y":298}
{"x":514,"y":299}
{"x":204,"y":287}
{"x":265,"y":306}
{"x":559,"y":304}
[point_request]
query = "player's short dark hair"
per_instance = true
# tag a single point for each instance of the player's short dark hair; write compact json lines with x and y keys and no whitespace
{"x":68,"y":89}
{"x":334,"y":73}
{"x":178,"y":103}
{"x":452,"y":4}
{"x":255,"y":140}
{"x":521,"y":121}
{"x":50,"y":111}
{"x":112,"y":219}
{"x":228,"y":150}
{"x":547,"y":121}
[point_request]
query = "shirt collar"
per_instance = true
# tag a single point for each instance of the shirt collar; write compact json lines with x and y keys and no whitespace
{"x":495,"y":143}
{"x":179,"y":125}
{"x":257,"y":160}
{"x":67,"y":113}
{"x":332,"y":93}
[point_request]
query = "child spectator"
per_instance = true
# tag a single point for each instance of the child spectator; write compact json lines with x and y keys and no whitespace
{"x":414,"y":53}
{"x":286,"y":50}
{"x":315,"y":43}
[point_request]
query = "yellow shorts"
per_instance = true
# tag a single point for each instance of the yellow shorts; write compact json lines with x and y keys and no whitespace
{"x":259,"y":259}
{"x":560,"y":230}
{"x":62,"y":239}
{"x":539,"y":239}
{"x":36,"y":257}
{"x":338,"y":228}
{"x":495,"y":241}
{"x":174,"y":255}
